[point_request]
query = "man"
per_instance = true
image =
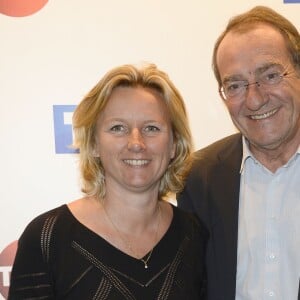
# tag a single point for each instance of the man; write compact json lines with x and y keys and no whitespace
{"x":246,"y":187}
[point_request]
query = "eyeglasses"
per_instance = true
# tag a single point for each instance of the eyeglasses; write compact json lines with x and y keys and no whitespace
{"x":233,"y":90}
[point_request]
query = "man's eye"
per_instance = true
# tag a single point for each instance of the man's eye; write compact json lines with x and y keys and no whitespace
{"x":231,"y":87}
{"x":272,"y":77}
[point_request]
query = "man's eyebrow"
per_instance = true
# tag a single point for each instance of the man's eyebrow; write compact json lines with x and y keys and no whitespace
{"x":259,"y":70}
{"x":232,"y":78}
{"x":266,"y":67}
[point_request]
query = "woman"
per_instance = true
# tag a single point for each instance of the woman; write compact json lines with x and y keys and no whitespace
{"x":121,"y":240}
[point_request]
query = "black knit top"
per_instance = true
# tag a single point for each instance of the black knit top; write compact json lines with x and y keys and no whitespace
{"x":60,"y":258}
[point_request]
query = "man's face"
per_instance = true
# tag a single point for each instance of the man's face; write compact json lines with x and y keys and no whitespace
{"x":268,"y":115}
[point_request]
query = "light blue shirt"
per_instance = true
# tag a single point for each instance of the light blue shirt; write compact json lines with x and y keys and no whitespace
{"x":268,"y":262}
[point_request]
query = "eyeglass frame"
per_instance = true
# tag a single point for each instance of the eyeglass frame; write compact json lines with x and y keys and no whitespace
{"x":245,"y":86}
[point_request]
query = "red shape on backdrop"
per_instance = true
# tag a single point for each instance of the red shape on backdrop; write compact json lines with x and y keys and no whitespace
{"x":7,"y":257}
{"x":21,"y":8}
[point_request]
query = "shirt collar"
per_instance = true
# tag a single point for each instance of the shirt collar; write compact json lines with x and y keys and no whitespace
{"x":247,"y":153}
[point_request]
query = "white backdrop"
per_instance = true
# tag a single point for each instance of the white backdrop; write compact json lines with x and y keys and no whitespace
{"x":54,"y":56}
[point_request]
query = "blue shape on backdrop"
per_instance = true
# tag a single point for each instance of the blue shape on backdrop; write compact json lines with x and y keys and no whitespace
{"x":291,"y":1}
{"x":63,"y":129}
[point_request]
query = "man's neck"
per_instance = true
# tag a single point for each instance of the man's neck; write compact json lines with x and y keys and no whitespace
{"x":273,"y":159}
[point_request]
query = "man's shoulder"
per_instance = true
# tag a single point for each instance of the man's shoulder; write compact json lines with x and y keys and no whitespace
{"x":224,"y":156}
{"x":225,"y":145}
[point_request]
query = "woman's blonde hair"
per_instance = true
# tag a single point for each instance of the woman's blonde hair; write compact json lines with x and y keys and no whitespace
{"x":93,"y":104}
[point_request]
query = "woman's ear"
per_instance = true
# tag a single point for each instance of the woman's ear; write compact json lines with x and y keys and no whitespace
{"x":95,"y":152}
{"x":173,"y":149}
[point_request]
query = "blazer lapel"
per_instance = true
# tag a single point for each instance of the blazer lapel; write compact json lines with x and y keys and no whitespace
{"x":225,"y":199}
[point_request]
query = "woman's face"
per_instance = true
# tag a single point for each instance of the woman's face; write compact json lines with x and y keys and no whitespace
{"x":134,"y":140}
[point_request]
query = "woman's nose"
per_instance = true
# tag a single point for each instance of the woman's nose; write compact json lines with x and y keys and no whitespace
{"x":136,"y":141}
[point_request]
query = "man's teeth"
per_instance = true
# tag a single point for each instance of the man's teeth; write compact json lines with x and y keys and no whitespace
{"x":136,"y":162}
{"x":265,"y":115}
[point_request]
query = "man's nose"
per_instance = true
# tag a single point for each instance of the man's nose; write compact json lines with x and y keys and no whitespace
{"x":254,"y":96}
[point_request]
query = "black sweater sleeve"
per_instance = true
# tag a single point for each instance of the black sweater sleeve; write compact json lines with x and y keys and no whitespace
{"x":30,"y":276}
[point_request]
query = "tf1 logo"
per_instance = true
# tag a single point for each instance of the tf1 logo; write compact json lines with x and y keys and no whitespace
{"x":62,"y":115}
{"x":7,"y":257}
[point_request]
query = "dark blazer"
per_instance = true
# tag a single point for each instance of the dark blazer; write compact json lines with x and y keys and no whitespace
{"x":212,"y":191}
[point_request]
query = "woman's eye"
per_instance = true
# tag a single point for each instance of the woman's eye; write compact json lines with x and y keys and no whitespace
{"x":151,"y":128}
{"x":117,"y":128}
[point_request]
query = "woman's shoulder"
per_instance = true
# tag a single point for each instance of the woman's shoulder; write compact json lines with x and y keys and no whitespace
{"x":44,"y":223}
{"x":52,"y":214}
{"x":189,"y":223}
